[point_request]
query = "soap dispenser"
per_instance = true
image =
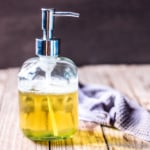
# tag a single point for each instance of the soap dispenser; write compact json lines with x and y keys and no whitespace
{"x":48,"y":87}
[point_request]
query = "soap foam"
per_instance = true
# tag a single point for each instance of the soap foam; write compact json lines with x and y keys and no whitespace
{"x":48,"y":87}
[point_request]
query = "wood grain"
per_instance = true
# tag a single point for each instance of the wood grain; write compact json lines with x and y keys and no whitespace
{"x":132,"y":81}
{"x":10,"y":135}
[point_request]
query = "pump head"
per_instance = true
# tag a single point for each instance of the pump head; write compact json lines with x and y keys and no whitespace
{"x":48,"y":45}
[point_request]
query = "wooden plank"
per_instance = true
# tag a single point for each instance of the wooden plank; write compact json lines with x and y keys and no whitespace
{"x":85,"y":139}
{"x":139,"y":78}
{"x":114,"y":76}
{"x":10,"y":135}
{"x":133,"y":81}
{"x":3,"y":78}
{"x":117,"y":77}
{"x":92,"y":75}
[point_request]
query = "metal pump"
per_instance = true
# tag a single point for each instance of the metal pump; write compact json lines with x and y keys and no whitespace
{"x":48,"y":45}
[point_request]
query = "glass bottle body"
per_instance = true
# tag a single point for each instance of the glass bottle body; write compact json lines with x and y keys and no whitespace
{"x":48,"y":98}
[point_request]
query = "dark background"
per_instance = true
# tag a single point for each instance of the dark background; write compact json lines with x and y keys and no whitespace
{"x":108,"y":31}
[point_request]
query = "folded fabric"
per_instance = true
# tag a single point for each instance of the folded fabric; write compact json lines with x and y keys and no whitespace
{"x":108,"y":107}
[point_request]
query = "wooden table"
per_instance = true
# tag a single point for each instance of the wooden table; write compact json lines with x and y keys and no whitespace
{"x":133,"y":81}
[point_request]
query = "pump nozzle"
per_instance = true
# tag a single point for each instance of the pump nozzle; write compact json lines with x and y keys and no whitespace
{"x":49,"y":46}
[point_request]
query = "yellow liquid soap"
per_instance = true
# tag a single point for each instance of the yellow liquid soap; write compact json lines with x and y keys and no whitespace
{"x":48,"y":116}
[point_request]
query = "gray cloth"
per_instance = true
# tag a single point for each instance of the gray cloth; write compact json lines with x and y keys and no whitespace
{"x":108,"y":107}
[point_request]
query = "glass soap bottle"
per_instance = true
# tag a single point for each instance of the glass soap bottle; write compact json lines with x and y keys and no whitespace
{"x":48,"y":88}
